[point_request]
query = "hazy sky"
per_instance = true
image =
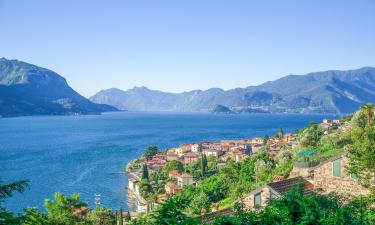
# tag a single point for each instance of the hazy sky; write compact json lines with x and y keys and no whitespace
{"x":182,"y":45}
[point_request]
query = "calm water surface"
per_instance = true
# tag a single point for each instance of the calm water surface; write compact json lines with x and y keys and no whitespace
{"x":85,"y":154}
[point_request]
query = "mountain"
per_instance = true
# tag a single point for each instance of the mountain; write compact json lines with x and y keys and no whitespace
{"x":26,"y":89}
{"x":331,"y":91}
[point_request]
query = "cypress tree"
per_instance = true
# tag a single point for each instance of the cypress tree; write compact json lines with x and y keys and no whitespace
{"x":120,"y":217}
{"x":144,"y":172}
{"x":127,"y":216}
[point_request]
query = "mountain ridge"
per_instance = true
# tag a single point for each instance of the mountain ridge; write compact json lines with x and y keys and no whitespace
{"x":27,"y":89}
{"x":331,"y":91}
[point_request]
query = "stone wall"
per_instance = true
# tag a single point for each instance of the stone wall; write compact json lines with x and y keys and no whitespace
{"x":265,"y":196}
{"x":345,"y":184}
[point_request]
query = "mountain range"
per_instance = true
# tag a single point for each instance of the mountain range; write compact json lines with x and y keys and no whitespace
{"x":332,"y":91}
{"x":26,"y":89}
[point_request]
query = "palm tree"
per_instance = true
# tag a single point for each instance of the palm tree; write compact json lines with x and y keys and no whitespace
{"x":368,"y":109}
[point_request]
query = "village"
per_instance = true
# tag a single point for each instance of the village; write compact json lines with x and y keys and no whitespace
{"x":189,"y":154}
{"x":179,"y":166}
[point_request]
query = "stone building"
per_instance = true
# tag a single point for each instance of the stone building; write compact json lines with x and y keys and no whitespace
{"x":260,"y":197}
{"x":331,"y":176}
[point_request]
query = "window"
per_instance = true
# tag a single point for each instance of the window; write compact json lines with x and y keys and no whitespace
{"x":336,"y":168}
{"x":257,"y":200}
{"x":273,"y":196}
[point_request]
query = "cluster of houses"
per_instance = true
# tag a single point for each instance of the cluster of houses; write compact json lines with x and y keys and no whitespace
{"x":329,"y":125}
{"x":187,"y":154}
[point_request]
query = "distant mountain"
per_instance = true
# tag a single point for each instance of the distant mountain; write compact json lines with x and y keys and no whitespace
{"x":321,"y":92}
{"x":26,"y":89}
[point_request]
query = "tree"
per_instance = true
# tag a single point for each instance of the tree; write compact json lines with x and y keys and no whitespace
{"x":127,"y":216}
{"x":101,"y":216}
{"x":203,"y":165}
{"x":144,"y":172}
{"x":280,"y":133}
{"x":199,"y":202}
{"x":362,"y":155}
{"x":173,"y":165}
{"x":120,"y":220}
{"x":150,"y":152}
{"x":169,"y":212}
{"x":369,"y":111}
{"x":6,"y":191}
{"x":66,"y":210}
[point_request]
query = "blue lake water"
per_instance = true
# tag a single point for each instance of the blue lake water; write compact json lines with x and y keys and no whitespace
{"x":85,"y":153}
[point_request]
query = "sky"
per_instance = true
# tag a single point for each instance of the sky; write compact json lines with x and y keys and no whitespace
{"x":183,"y":45}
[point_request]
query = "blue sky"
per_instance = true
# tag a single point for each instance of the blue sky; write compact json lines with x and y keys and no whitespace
{"x":183,"y":45}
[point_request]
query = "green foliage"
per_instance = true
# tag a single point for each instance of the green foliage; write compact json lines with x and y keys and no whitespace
{"x":280,"y":133}
{"x":362,"y":155}
{"x":203,"y":165}
{"x":145,"y":174}
{"x":368,"y":110}
{"x":173,"y":165}
{"x":61,"y":209}
{"x":150,"y":152}
{"x":101,"y":216}
{"x":120,"y":219}
{"x":6,"y":191}
{"x":199,"y":202}
{"x":295,"y":208}
{"x":146,"y":190}
{"x":167,"y":213}
{"x":212,"y":162}
{"x":311,"y":135}
{"x":127,"y":216}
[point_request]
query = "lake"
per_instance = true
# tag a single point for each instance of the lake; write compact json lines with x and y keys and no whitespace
{"x":87,"y":154}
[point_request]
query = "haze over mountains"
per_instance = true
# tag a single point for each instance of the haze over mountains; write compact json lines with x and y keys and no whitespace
{"x":331,"y":91}
{"x":26,"y":89}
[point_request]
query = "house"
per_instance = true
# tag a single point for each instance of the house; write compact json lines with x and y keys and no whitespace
{"x":260,"y":197}
{"x":256,"y":148}
{"x":171,"y":188}
{"x":133,"y":185}
{"x":212,"y":152}
{"x":196,"y":147}
{"x":161,"y":197}
{"x":257,"y":141}
{"x":327,"y":121}
{"x":181,"y":151}
{"x":160,"y":156}
{"x":185,"y":179}
{"x":190,"y":157}
{"x":289,"y":137}
{"x":173,"y":174}
{"x":331,"y":176}
{"x":185,"y":148}
{"x":239,"y":156}
{"x":172,"y":156}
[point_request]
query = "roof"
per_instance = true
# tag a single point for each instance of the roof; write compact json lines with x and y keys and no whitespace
{"x":286,"y":185}
{"x":308,"y":152}
{"x":186,"y":175}
{"x":280,"y":187}
{"x":172,"y":185}
{"x":191,"y":155}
